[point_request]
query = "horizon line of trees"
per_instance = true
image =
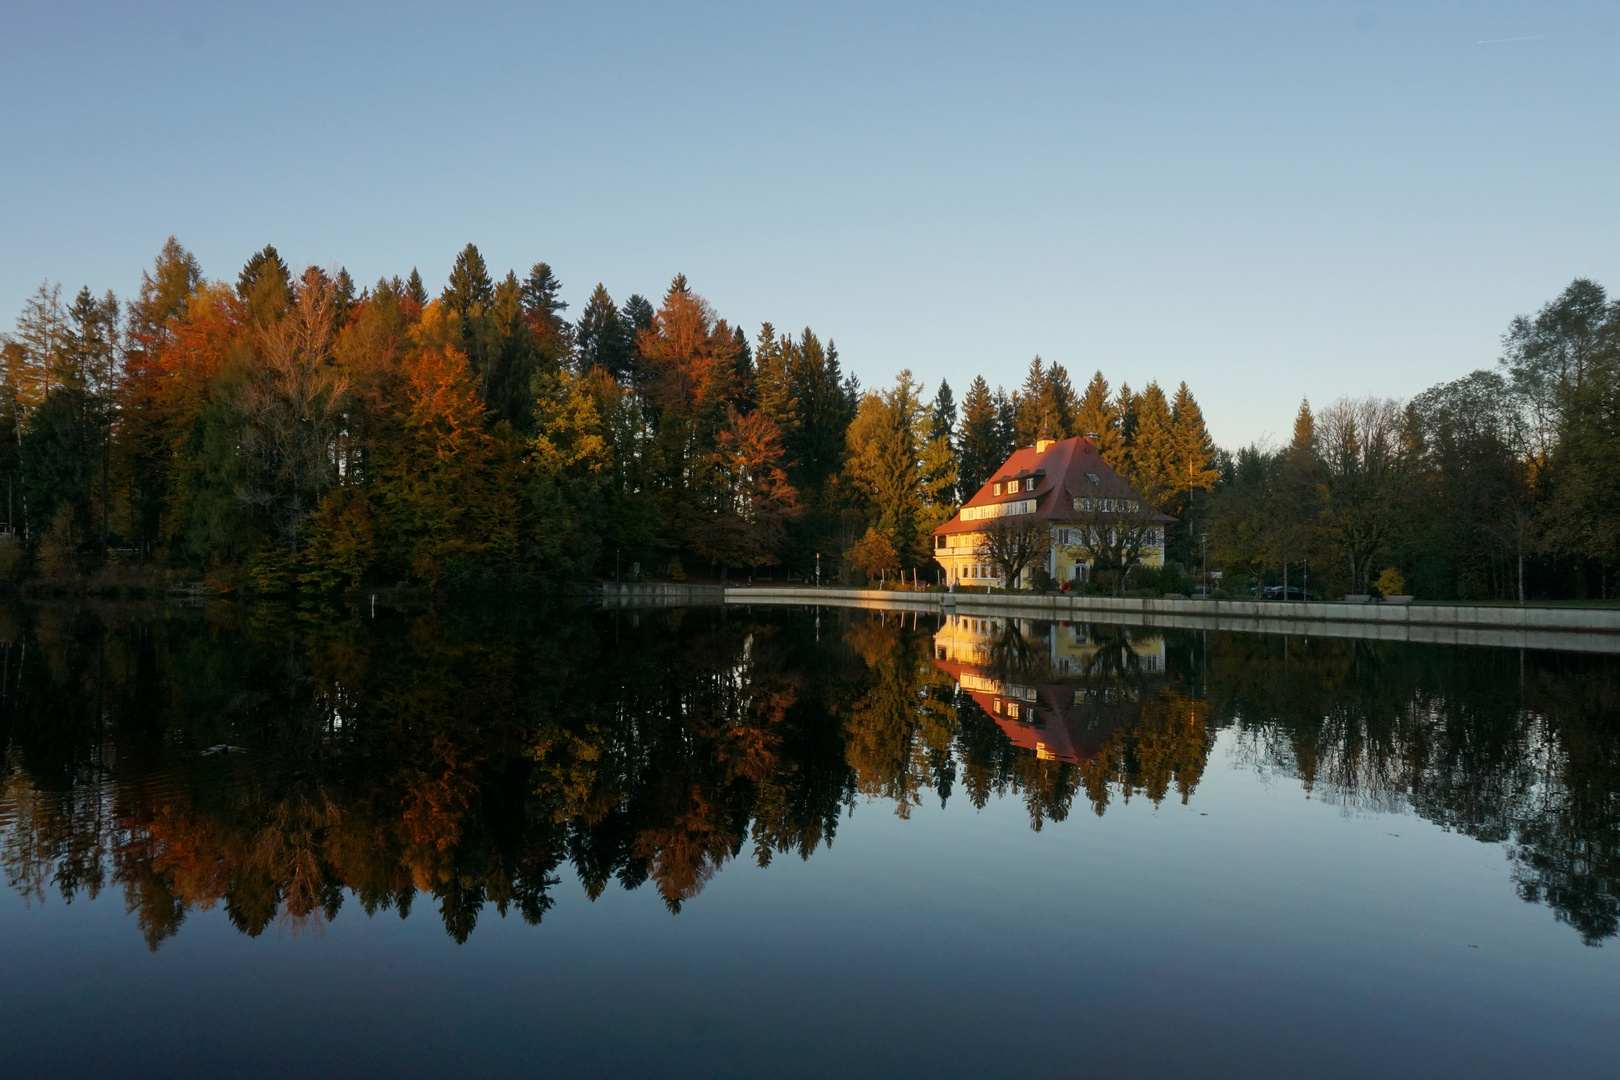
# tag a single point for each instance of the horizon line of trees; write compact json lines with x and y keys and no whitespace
{"x":1500,"y":485}
{"x":294,"y":433}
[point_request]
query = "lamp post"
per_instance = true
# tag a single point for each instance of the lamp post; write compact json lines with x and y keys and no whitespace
{"x":818,"y":569}
{"x":1203,"y":543}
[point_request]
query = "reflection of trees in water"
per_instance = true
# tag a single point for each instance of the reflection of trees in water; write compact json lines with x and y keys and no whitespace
{"x":468,"y":755}
{"x":1511,"y":749}
{"x":432,"y":755}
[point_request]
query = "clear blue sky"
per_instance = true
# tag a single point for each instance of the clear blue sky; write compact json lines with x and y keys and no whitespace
{"x":1267,"y":201}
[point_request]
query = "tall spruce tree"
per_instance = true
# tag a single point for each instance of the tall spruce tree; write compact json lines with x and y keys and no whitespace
{"x":1153,"y":448}
{"x":940,"y":455}
{"x":978,"y":443}
{"x":1096,"y":418}
{"x":824,"y":413}
{"x":1194,"y":449}
{"x":265,"y":286}
{"x":415,"y":291}
{"x":469,"y":289}
{"x":1006,"y":426}
{"x":773,"y":379}
{"x":600,"y":337}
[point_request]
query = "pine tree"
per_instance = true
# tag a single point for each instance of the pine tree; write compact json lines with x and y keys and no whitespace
{"x":415,"y":291}
{"x":773,"y":387}
{"x":824,"y":413}
{"x":265,"y":286}
{"x":944,"y":416}
{"x":342,"y":299}
{"x":1006,"y":426}
{"x":637,"y":318}
{"x":553,"y":335}
{"x":1195,"y":450}
{"x":1154,"y":471}
{"x":939,"y":456}
{"x":1096,"y":418}
{"x":509,"y":355}
{"x":469,"y":289}
{"x":1125,"y":407}
{"x":1030,"y":404}
{"x":978,"y":444}
{"x":600,"y":339}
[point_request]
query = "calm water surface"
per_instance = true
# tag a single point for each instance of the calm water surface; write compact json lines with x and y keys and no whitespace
{"x":705,"y":843}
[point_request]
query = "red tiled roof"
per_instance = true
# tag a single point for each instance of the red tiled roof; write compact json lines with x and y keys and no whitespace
{"x":1062,"y":473}
{"x":1053,"y":723}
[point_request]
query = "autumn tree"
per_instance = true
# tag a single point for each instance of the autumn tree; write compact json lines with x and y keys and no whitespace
{"x":873,"y":555}
{"x":293,"y":403}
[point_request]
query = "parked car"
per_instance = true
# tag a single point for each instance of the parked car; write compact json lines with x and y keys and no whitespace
{"x":1275,"y":592}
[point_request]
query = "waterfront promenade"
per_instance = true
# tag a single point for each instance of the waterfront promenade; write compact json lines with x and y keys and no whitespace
{"x":1580,"y":629}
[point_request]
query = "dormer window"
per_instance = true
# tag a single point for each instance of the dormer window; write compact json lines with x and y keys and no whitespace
{"x":1029,"y":485}
{"x":1093,"y":478}
{"x":995,"y":488}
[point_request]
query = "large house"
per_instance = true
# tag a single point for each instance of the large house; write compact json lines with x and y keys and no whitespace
{"x":1061,"y":486}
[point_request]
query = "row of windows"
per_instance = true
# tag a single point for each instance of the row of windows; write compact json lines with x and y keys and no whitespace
{"x":994,"y":510}
{"x":1089,"y":537}
{"x":1013,"y":486}
{"x":1107,"y":506}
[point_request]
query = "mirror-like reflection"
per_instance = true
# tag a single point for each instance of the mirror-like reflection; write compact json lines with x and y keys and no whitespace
{"x":281,"y":765}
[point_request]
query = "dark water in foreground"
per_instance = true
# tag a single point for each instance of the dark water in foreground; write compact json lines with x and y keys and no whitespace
{"x":748,"y":843}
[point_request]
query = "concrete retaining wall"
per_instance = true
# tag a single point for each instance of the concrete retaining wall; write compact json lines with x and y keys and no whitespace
{"x":660,"y":594}
{"x":1577,"y":629}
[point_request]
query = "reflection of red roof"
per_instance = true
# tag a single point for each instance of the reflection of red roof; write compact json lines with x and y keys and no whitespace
{"x":1052,"y":725}
{"x":1062,"y":473}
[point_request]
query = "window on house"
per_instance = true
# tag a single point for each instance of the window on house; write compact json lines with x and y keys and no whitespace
{"x":1029,"y":485}
{"x":1093,"y":478}
{"x":995,"y":488}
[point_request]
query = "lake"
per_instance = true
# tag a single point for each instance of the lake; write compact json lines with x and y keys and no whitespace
{"x":488,"y":840}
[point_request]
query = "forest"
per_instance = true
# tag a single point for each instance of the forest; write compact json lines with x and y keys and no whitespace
{"x":296,"y":435}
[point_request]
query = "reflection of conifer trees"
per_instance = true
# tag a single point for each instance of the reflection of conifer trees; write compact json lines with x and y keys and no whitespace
{"x":1497,"y":745}
{"x":900,"y":728}
{"x":467,"y":754}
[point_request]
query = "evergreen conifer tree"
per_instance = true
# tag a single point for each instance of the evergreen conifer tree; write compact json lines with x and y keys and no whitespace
{"x":944,"y":415}
{"x":1194,"y":449}
{"x":469,"y":289}
{"x":415,"y":291}
{"x":773,"y":387}
{"x":342,"y":298}
{"x":978,"y":443}
{"x":265,"y":286}
{"x":1125,"y":406}
{"x":600,"y":337}
{"x":1154,"y":470}
{"x":1095,"y":417}
{"x":1006,"y":426}
{"x":1030,"y":404}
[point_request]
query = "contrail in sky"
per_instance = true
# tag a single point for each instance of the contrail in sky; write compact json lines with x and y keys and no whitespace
{"x":1532,"y":37}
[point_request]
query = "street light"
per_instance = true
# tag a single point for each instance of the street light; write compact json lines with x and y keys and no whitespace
{"x":1203,"y":543}
{"x":818,"y":569}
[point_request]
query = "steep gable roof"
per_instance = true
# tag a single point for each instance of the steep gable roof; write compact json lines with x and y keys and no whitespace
{"x":1064,"y":471}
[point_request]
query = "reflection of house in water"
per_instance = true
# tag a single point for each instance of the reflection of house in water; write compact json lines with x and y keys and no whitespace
{"x":1059,"y":690}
